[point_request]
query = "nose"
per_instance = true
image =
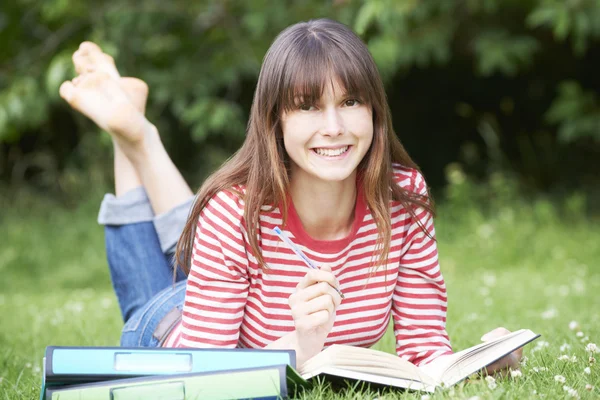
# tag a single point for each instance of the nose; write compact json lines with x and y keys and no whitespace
{"x":333,"y":122}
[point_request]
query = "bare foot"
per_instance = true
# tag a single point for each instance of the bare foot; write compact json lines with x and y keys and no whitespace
{"x":90,"y":58}
{"x":101,"y":98}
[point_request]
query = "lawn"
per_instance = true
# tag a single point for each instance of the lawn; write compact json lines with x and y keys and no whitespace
{"x":521,"y":266}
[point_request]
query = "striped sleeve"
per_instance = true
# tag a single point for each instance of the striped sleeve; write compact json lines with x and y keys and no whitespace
{"x":419,"y":301}
{"x":217,"y":287}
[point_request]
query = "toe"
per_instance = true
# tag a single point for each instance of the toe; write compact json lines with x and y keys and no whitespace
{"x":67,"y":91}
{"x":89,"y":47}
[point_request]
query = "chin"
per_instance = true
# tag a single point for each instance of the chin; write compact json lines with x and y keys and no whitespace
{"x":334,"y":176}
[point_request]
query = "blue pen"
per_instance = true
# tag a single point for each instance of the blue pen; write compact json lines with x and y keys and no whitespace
{"x":299,"y":252}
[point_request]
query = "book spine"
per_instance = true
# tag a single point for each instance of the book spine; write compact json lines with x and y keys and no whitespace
{"x":65,"y":365}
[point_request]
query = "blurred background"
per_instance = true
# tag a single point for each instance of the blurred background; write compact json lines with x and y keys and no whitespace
{"x":479,"y":89}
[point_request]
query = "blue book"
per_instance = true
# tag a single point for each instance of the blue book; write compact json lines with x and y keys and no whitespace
{"x":71,"y":365}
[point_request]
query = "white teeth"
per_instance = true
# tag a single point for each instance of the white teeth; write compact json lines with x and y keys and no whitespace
{"x":331,"y":152}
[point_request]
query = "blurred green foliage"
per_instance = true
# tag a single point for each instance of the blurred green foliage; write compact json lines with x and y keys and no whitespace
{"x":510,"y":84}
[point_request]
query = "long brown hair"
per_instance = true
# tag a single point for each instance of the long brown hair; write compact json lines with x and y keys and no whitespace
{"x":301,"y":61}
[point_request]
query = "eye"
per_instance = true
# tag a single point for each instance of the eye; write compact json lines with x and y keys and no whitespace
{"x":306,"y":107}
{"x":351,"y":102}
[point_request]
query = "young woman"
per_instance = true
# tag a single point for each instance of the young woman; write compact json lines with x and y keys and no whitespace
{"x":322,"y":162}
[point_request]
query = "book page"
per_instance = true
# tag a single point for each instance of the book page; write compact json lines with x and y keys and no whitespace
{"x":452,"y":369}
{"x":364,"y":360}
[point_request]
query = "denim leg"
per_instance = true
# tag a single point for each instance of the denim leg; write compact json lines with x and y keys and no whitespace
{"x":138,"y":268}
{"x":150,"y":325}
{"x":139,"y":248}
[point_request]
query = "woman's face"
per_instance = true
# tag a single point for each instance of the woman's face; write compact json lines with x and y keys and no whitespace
{"x":327,"y":140}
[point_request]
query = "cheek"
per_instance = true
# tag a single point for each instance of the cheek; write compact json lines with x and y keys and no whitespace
{"x":363,"y":124}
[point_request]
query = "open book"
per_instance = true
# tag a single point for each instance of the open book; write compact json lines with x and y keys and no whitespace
{"x":387,"y":369}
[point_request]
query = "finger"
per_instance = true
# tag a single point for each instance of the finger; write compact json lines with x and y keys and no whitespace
{"x":494,"y":334}
{"x":321,"y":303}
{"x":316,"y":290}
{"x":510,"y":361}
{"x":302,"y":295}
{"x":315,"y":275}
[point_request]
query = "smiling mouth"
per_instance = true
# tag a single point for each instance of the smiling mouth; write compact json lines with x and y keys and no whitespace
{"x":331,"y":152}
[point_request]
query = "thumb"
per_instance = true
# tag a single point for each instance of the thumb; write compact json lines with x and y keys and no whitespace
{"x":494,"y":334}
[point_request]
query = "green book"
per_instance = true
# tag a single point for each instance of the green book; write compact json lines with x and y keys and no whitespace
{"x":263,"y":383}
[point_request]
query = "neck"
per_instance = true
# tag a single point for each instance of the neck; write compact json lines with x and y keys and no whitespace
{"x":326,"y":209}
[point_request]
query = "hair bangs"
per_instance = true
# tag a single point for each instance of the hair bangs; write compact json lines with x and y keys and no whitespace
{"x":318,"y":62}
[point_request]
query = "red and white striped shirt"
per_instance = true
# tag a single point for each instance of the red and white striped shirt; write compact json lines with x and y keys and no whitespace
{"x":231,"y":302}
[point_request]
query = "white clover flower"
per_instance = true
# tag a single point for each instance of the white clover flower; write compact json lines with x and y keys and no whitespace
{"x":585,"y":339}
{"x":541,"y":344}
{"x":37,"y":369}
{"x":573,"y":359}
{"x":564,"y":347}
{"x":550,"y":313}
{"x":579,"y":286}
{"x":591,"y":347}
{"x":490,"y":379}
{"x":540,"y":369}
{"x":489,"y":279}
{"x":573,"y":393}
{"x":567,"y":388}
{"x":106,"y":302}
{"x":591,"y":360}
{"x":534,"y":392}
{"x":589,"y":387}
{"x":425,"y":397}
{"x":560,"y":378}
{"x":28,"y":365}
{"x":485,"y":231}
{"x":472,"y":317}
{"x":587,"y":370}
{"x":563,"y":290}
{"x":564,"y":357}
{"x":75,"y":307}
{"x":492,"y":385}
{"x":579,"y":334}
{"x":474,"y":398}
{"x":524,"y":361}
{"x":515,"y":374}
{"x":573,"y":325}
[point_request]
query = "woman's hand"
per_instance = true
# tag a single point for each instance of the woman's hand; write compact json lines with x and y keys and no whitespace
{"x":313,"y":306}
{"x":510,"y":361}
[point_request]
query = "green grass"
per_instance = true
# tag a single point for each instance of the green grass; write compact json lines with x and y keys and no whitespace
{"x":519,"y":267}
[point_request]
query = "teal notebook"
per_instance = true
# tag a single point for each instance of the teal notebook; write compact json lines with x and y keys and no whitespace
{"x":273,"y":382}
{"x":68,"y":365}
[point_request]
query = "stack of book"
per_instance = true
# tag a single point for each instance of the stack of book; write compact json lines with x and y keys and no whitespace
{"x":115,"y":373}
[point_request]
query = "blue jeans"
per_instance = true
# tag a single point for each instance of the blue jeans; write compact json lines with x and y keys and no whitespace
{"x":139,"y":249}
